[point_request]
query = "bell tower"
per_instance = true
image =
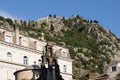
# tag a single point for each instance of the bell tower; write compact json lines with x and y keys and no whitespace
{"x":50,"y":68}
{"x":49,"y":57}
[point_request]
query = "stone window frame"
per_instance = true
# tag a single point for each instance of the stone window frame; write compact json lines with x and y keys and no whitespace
{"x":114,"y":68}
{"x":9,"y":56}
{"x":8,"y":38}
{"x":63,"y":54}
{"x":25,"y":60}
{"x":64,"y":68}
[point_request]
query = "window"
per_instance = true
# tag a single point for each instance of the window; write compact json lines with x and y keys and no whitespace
{"x":39,"y":46}
{"x":25,"y":60}
{"x":114,"y":68}
{"x":64,"y":68}
{"x":8,"y":38}
{"x":9,"y":56}
{"x":50,"y":50}
{"x":24,"y":41}
{"x":20,"y":40}
{"x":64,"y":54}
{"x":39,"y":62}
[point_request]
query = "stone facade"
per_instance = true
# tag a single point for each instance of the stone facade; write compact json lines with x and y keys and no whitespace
{"x":47,"y":70}
{"x":18,"y":51}
{"x":113,"y":69}
{"x":111,"y":72}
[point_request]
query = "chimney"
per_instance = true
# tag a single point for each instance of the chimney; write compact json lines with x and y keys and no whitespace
{"x":16,"y":30}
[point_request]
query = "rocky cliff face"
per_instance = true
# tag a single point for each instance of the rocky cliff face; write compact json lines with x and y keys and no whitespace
{"x":91,"y":46}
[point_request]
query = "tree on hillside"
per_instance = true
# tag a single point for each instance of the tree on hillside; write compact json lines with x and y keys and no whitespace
{"x":50,"y":15}
{"x":52,"y":27}
{"x":54,"y":16}
{"x":1,"y":18}
{"x":95,"y":21}
{"x":63,"y":18}
{"x":9,"y":21}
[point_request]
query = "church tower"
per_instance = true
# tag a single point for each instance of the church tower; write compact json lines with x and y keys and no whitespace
{"x":49,"y":61}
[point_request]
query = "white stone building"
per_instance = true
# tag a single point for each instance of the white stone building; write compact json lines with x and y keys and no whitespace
{"x":18,"y":51}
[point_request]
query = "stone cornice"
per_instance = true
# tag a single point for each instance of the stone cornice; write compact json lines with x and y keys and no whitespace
{"x":8,"y":62}
{"x":65,"y":59}
{"x":19,"y":47}
{"x":66,"y":73}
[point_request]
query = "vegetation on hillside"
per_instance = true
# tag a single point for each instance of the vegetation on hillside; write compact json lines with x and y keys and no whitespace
{"x":86,"y":40}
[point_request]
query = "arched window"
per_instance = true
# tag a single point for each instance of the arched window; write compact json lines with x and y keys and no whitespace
{"x":9,"y":56}
{"x":64,"y":68}
{"x":64,"y":54}
{"x":25,"y":60}
{"x":50,"y":50}
{"x":39,"y":62}
{"x":20,"y":42}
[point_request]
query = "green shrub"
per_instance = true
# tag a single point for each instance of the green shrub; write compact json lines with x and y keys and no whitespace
{"x":1,"y":18}
{"x":9,"y":21}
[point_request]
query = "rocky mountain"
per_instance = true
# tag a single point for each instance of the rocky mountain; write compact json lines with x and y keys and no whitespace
{"x":91,"y":46}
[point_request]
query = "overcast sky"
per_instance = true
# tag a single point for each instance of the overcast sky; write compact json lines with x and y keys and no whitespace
{"x":106,"y":12}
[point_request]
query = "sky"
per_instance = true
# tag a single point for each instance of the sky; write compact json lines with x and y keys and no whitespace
{"x":106,"y":12}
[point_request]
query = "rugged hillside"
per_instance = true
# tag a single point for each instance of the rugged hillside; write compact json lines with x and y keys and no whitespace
{"x":91,"y":46}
